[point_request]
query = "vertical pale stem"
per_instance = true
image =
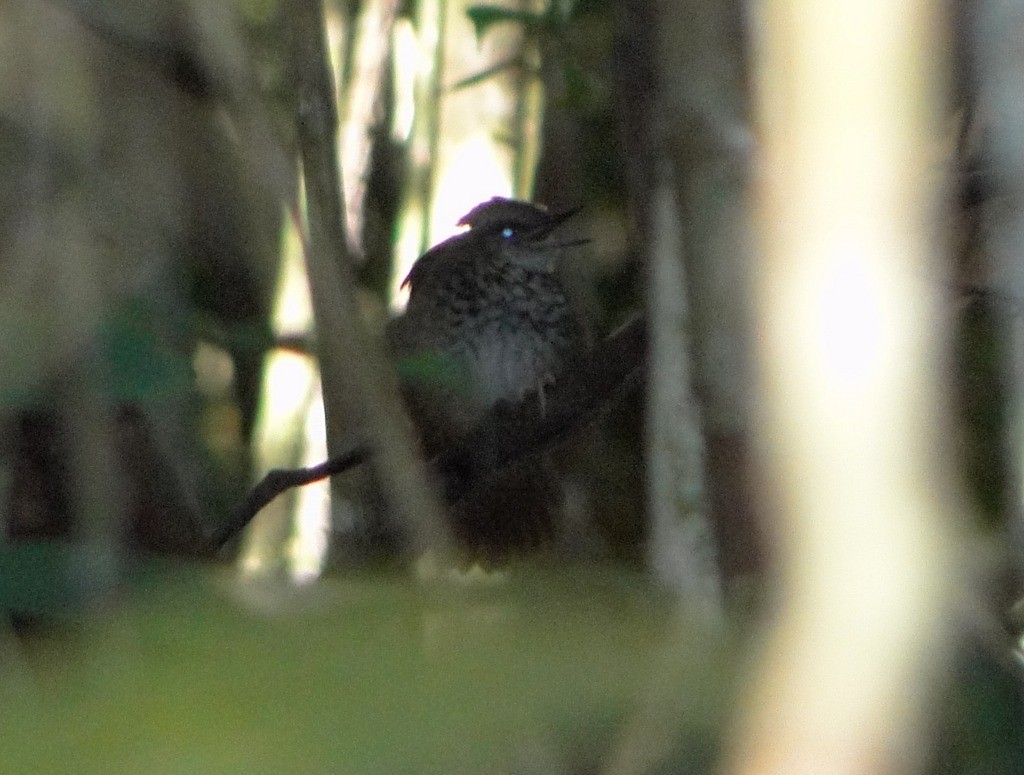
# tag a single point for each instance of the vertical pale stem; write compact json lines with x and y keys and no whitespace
{"x":357,"y":387}
{"x":681,"y":548}
{"x":703,"y":100}
{"x":848,"y":347}
{"x":360,"y":106}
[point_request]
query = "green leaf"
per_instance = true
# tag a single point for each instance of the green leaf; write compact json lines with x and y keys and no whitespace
{"x":141,"y":357}
{"x":434,"y":369}
{"x":51,"y":578}
{"x":484,"y":17}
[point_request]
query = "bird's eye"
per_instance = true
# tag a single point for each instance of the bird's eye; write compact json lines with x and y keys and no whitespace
{"x":507,"y":232}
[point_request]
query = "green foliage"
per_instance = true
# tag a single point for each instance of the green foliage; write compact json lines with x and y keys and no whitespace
{"x":551,"y":21}
{"x":486,"y":16}
{"x":980,"y":390}
{"x":982,"y":726}
{"x":143,"y":362}
{"x":550,"y":25}
{"x":359,"y":674}
{"x":434,"y":370}
{"x":51,"y":578}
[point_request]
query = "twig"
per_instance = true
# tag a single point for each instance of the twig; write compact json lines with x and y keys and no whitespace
{"x":507,"y":435}
{"x":278,"y":481}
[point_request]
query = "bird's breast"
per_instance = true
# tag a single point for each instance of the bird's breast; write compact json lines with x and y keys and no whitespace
{"x":504,"y":362}
{"x":504,"y":331}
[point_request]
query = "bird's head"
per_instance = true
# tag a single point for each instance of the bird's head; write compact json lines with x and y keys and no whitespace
{"x":519,"y":232}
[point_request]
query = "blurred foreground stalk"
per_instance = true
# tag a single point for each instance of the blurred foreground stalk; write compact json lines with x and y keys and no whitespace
{"x":358,"y":392}
{"x":699,"y":421}
{"x":853,"y":430}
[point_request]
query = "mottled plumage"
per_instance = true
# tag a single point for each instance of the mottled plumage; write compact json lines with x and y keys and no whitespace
{"x":487,"y":318}
{"x":488,"y":321}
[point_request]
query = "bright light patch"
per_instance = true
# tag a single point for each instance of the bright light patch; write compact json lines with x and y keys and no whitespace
{"x":334,"y":25}
{"x":307,"y":550}
{"x":407,"y":248}
{"x":852,"y":329}
{"x":406,"y":63}
{"x":214,"y":368}
{"x":289,"y":380}
{"x":290,"y":399}
{"x":479,"y":171}
{"x":293,"y":309}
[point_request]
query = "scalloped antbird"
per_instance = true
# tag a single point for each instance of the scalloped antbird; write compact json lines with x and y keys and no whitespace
{"x":489,"y":322}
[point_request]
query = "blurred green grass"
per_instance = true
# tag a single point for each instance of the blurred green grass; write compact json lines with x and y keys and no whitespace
{"x":200,"y":673}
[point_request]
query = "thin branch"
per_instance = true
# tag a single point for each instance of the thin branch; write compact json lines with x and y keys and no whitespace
{"x":509,"y":434}
{"x":278,"y":481}
{"x":357,"y":386}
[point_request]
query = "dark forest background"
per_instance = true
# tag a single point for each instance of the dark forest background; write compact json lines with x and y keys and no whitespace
{"x":190,"y":297}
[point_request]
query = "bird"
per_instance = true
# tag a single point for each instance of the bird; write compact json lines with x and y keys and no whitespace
{"x":488,"y":324}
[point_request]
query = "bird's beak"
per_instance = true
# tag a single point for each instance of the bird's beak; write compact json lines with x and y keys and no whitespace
{"x":553,"y":221}
{"x":569,"y":243}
